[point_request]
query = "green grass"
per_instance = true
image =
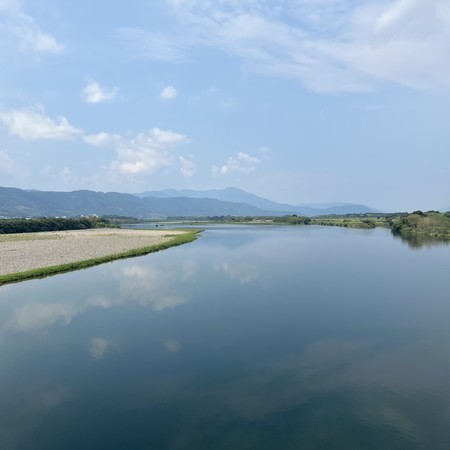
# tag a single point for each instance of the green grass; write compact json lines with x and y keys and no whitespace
{"x":350,"y":222}
{"x":179,"y":239}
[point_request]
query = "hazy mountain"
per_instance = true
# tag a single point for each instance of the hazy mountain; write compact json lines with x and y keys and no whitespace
{"x":221,"y":202}
{"x":233,"y":194}
{"x":230,"y":194}
{"x":20,"y":203}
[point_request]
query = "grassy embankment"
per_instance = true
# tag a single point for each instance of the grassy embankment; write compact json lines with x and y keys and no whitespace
{"x":179,"y":239}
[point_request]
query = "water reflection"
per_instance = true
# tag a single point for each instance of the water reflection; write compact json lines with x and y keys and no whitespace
{"x":99,"y":347}
{"x":326,"y":352}
{"x":34,"y":316}
{"x":146,"y":284}
{"x":417,"y":242}
{"x":172,"y":345}
{"x":149,"y":286}
{"x":242,"y":272}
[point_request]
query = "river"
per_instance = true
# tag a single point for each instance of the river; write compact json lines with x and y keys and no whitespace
{"x":252,"y":337}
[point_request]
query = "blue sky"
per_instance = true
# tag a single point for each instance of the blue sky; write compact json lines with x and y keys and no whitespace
{"x":294,"y":100}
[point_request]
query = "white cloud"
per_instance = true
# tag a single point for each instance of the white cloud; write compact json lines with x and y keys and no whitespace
{"x":188,"y":167}
{"x":32,"y":124}
{"x":169,"y":138}
{"x":19,"y":30}
{"x":6,"y":163}
{"x":328,"y":45}
{"x":102,"y":139}
{"x":147,"y":152}
{"x":143,"y":154}
{"x":241,"y":162}
{"x":168,"y":93}
{"x":95,"y":93}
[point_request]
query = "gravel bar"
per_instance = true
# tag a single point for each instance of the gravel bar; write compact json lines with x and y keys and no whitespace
{"x":26,"y":251}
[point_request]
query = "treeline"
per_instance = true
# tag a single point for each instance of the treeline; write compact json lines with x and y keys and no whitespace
{"x":288,"y":219}
{"x":292,"y":220}
{"x":431,"y":224}
{"x":8,"y":226}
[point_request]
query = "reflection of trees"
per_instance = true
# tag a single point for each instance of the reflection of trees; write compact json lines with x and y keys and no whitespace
{"x":415,"y":241}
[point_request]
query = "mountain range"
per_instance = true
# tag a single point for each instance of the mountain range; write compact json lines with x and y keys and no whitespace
{"x":233,"y":194}
{"x":156,"y":204}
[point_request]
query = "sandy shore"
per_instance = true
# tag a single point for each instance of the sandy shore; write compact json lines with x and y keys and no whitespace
{"x":22,"y":252}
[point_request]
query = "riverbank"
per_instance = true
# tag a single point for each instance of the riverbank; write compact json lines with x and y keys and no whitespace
{"x":433,"y":226}
{"x":34,"y":255}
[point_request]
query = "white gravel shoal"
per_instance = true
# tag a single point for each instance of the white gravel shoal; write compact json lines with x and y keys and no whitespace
{"x":22,"y":252}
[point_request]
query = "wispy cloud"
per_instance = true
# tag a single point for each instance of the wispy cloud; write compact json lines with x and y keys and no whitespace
{"x":95,"y":93}
{"x":32,"y":124}
{"x":66,"y":176}
{"x":241,"y":162}
{"x":155,"y":46}
{"x":188,"y":167}
{"x":329,"y":46}
{"x":168,"y":93}
{"x":103,"y":139}
{"x":6,"y":163}
{"x":19,"y":30}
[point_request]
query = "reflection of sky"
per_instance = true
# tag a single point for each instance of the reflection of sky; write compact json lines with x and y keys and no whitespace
{"x":172,"y":345}
{"x":145,"y":284}
{"x":99,"y":347}
{"x":327,"y":345}
{"x":242,"y":272}
{"x":233,"y":238}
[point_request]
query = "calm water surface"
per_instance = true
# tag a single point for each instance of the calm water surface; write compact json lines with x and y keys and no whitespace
{"x":249,"y":338}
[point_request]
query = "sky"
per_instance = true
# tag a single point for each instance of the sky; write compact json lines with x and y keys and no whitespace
{"x":299,"y":101}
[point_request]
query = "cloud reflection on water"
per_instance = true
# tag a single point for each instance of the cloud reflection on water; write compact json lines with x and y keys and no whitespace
{"x":172,"y":345}
{"x":99,"y":347}
{"x":148,"y":285}
{"x":243,"y":273}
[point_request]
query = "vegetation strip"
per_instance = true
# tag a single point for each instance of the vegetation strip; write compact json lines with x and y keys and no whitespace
{"x":180,"y":239}
{"x":432,"y":225}
{"x":10,"y":226}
